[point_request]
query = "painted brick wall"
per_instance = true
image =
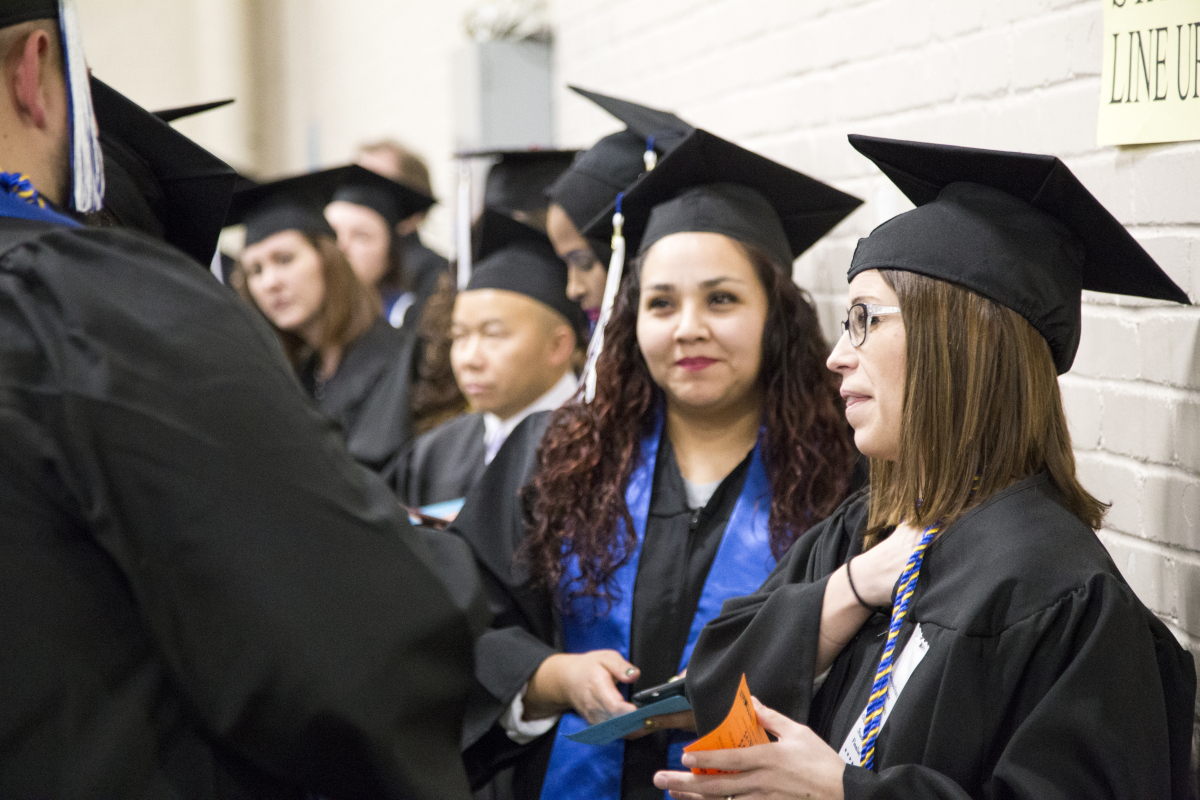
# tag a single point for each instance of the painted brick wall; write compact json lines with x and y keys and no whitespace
{"x":790,"y":78}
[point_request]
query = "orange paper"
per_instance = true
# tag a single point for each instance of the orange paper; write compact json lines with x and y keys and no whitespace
{"x":741,"y":728}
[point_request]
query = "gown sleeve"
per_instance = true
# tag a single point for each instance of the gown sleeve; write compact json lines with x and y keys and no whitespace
{"x":771,"y":635}
{"x":524,"y":630}
{"x":303,"y":619}
{"x":1100,"y":674}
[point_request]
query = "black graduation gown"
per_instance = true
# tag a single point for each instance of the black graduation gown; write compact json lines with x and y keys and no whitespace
{"x":441,"y":464}
{"x":678,"y":549}
{"x":368,"y":396}
{"x":1045,"y":676}
{"x":422,"y":268}
{"x":201,"y":594}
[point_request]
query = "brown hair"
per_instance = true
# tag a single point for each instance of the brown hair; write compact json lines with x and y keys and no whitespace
{"x":435,"y":394}
{"x":348,"y":310}
{"x":411,"y":168}
{"x":576,"y":502}
{"x":980,"y":399}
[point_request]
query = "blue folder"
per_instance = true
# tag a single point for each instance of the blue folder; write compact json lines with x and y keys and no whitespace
{"x":622,"y":726}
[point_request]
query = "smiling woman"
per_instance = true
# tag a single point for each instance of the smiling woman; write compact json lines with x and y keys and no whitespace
{"x":715,"y":439}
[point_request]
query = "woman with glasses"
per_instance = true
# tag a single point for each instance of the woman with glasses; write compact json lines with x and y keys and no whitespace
{"x":958,"y":630}
{"x":714,"y":440}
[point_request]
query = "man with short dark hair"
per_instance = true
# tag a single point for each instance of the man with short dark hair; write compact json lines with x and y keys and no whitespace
{"x":514,"y":332}
{"x":201,"y":594}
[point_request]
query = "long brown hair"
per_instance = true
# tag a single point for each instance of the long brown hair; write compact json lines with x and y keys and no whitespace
{"x":980,"y":399}
{"x":348,"y":310}
{"x":576,"y":502}
{"x":435,"y":394}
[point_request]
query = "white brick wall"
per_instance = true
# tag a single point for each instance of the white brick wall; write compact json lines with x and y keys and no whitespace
{"x":790,"y":78}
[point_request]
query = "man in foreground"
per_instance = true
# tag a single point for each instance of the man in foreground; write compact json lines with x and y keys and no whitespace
{"x":203,"y":595}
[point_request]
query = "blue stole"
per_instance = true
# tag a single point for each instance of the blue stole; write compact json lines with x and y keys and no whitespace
{"x":13,"y":206}
{"x":743,"y":562}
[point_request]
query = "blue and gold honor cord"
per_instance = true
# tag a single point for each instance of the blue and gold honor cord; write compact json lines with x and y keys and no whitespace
{"x":883,"y":676}
{"x":19,"y":185}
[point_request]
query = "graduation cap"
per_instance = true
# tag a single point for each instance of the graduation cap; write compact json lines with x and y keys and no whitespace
{"x":1017,"y":228}
{"x":708,"y":184}
{"x":389,"y":199}
{"x":157,"y":180}
{"x":616,"y":161}
{"x":298,"y":202}
{"x":172,"y":114}
{"x":516,"y":257}
{"x":519,"y":179}
{"x":87,"y":168}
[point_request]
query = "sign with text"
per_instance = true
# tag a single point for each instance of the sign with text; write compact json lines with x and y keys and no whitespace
{"x":1150,"y":86}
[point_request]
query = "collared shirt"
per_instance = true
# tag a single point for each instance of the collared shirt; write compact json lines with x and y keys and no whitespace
{"x":496,"y":430}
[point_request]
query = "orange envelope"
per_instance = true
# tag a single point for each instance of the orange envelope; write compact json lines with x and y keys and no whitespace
{"x":741,"y":728}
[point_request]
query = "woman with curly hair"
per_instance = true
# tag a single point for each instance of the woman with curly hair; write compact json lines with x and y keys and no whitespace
{"x":714,"y":440}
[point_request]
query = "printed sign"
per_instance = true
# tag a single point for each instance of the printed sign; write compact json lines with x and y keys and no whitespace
{"x":1150,"y":85}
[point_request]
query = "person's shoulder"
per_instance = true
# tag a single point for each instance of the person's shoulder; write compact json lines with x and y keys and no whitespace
{"x":108,"y":290}
{"x":1018,"y":553}
{"x":450,"y":430}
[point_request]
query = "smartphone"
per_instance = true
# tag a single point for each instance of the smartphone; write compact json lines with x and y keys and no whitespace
{"x":672,"y":688}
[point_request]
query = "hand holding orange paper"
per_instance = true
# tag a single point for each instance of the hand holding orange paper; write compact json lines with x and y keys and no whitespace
{"x":741,"y":728}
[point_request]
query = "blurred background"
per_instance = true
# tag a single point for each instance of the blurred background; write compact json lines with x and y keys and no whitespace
{"x":314,"y":79}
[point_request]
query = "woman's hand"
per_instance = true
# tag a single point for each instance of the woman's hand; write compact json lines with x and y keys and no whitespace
{"x":798,"y":765}
{"x":877,"y":570}
{"x":585,"y":682}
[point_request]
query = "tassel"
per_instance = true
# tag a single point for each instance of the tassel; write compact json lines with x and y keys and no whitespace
{"x":87,"y":162}
{"x":463,"y":224}
{"x":650,"y":157}
{"x":615,"y":267}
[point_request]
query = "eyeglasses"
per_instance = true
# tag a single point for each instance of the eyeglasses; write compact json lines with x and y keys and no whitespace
{"x":582,"y":260}
{"x":862,"y":316}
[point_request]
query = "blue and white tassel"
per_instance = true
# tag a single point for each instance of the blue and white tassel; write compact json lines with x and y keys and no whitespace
{"x":615,"y":268}
{"x":87,"y":162}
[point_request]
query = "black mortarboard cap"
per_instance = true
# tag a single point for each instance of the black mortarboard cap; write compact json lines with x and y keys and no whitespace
{"x":172,"y":114}
{"x":288,"y":204}
{"x":708,"y":184}
{"x":298,"y":202}
{"x":17,"y":11}
{"x":519,"y":179}
{"x":389,"y":199}
{"x":515,"y":257}
{"x":615,"y":162}
{"x":157,"y":180}
{"x":647,"y":123}
{"x":1017,"y":228}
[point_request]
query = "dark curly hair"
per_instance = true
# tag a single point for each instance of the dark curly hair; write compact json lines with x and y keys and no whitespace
{"x":576,"y":500}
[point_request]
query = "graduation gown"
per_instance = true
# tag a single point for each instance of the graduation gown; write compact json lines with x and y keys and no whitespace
{"x":422,"y":267}
{"x":678,"y":550}
{"x":441,"y":464}
{"x":1044,"y":676}
{"x":202,"y":594}
{"x":368,"y":396}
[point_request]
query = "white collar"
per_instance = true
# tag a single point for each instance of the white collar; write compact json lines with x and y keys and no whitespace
{"x":496,"y":430}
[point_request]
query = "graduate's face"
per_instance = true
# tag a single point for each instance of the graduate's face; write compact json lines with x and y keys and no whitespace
{"x":363,"y":235}
{"x":873,"y":374}
{"x":506,"y":350}
{"x":286,"y":280}
{"x":701,"y":315}
{"x":585,"y":274}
